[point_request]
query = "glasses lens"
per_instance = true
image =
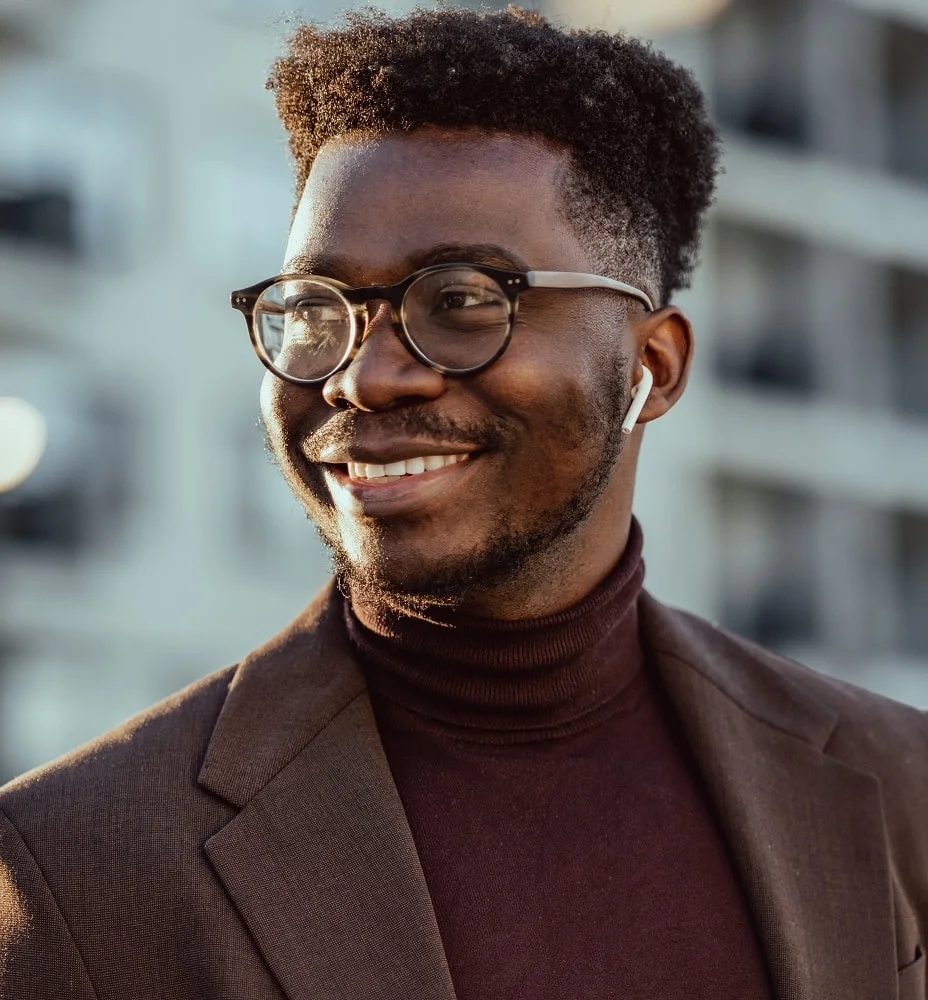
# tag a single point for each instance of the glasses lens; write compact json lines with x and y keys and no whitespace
{"x":304,"y":327}
{"x":457,"y":317}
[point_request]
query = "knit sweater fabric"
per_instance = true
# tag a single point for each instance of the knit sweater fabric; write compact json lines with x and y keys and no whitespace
{"x":569,"y":848}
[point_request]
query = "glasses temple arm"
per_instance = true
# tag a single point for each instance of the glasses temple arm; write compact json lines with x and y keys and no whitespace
{"x":575,"y":279}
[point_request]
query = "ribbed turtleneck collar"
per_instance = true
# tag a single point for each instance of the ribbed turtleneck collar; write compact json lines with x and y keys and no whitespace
{"x":508,"y":681}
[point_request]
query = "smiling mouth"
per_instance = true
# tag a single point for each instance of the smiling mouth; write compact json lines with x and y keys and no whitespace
{"x":389,"y":472}
{"x":398,"y":489}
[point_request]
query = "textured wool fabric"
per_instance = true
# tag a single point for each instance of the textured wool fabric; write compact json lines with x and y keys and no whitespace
{"x":568,"y":848}
{"x":245,"y":840}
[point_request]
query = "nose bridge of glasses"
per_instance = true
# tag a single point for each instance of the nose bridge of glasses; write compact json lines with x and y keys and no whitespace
{"x":368,"y":303}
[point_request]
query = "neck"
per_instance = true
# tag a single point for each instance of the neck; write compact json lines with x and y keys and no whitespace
{"x":510,"y":680}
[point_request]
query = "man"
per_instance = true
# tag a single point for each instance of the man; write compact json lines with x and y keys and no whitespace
{"x":486,"y":764}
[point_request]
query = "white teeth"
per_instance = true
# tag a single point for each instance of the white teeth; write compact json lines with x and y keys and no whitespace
{"x":409,"y":467}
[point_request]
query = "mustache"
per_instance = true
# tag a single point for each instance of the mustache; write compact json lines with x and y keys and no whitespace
{"x":348,"y":426}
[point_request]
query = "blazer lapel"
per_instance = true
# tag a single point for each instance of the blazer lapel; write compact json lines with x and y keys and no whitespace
{"x":806,"y":831}
{"x":320,"y":861}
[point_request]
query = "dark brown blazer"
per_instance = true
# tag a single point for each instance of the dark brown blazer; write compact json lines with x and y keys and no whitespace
{"x":244,"y":840}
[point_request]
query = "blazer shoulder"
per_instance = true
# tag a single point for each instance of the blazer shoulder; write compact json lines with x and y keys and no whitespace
{"x":155,"y":753}
{"x":153,"y":762}
{"x":872,"y":732}
{"x":860,"y":729}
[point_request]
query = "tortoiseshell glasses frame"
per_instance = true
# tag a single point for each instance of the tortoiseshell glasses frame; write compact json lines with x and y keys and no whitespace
{"x":255,"y":301}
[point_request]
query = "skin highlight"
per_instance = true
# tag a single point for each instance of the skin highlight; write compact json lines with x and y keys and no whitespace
{"x":540,"y":512}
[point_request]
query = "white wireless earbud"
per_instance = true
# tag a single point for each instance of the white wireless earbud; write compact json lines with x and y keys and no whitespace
{"x":639,"y":397}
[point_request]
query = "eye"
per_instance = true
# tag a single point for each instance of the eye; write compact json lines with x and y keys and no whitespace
{"x":316,"y":322}
{"x":450,"y":299}
{"x":309,"y":311}
{"x":460,"y":299}
{"x":311,"y":304}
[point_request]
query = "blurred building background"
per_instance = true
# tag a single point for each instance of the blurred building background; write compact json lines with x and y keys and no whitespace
{"x":143,"y":176}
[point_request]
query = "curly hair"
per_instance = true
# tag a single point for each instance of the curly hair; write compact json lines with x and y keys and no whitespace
{"x":643,"y":152}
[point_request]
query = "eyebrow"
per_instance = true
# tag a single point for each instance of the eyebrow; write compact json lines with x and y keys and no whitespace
{"x":340,"y":268}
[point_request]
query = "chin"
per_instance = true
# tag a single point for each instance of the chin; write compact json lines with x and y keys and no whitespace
{"x":447,"y":579}
{"x":437,"y":575}
{"x":450,"y":564}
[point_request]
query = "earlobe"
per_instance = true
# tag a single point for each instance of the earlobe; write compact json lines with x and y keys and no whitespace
{"x":640,"y":395}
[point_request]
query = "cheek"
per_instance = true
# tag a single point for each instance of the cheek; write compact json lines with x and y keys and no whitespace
{"x":553,"y":449}
{"x":284,"y":409}
{"x":552,"y":383}
{"x":274,"y":418}
{"x":268,"y":401}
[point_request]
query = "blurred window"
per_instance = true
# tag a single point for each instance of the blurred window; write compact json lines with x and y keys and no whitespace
{"x":44,"y":218}
{"x":909,"y":291}
{"x":756,"y":62}
{"x":906,"y":69}
{"x":912,"y":562}
{"x":762,"y":336}
{"x":767,"y":582}
{"x":79,"y":164}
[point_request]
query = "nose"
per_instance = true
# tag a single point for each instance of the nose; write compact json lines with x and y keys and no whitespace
{"x":383,"y":374}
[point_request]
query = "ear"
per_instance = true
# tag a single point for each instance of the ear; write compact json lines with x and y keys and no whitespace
{"x":664,"y":343}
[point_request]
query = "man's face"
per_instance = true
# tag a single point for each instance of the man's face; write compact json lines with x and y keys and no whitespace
{"x":537,"y":433}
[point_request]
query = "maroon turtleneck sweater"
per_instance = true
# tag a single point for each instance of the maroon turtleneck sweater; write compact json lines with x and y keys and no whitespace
{"x":568,"y":848}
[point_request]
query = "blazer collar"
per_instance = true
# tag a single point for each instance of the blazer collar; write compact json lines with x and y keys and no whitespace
{"x":281,"y":697}
{"x":321,"y":863}
{"x":805,"y":830}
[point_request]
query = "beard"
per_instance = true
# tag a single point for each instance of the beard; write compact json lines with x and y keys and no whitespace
{"x":506,"y":548}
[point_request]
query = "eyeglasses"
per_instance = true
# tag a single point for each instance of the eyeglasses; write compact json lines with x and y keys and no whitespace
{"x":455,"y":318}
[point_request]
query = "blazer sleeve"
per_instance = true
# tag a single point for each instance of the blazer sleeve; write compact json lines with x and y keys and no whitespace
{"x":38,"y":956}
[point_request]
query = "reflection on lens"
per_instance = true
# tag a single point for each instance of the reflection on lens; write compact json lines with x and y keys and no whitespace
{"x":304,"y":327}
{"x":457,"y":317}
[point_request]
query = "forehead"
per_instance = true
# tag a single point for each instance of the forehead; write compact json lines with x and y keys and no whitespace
{"x":380,"y":202}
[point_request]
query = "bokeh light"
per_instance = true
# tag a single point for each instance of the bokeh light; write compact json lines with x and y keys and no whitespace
{"x":23,"y":436}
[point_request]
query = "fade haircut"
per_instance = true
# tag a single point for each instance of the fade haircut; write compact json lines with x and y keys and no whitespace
{"x":643,"y":153}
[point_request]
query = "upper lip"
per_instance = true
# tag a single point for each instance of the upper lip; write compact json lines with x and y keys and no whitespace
{"x":394,"y":451}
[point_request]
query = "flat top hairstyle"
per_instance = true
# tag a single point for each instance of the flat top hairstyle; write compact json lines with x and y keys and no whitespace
{"x":644,"y":154}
